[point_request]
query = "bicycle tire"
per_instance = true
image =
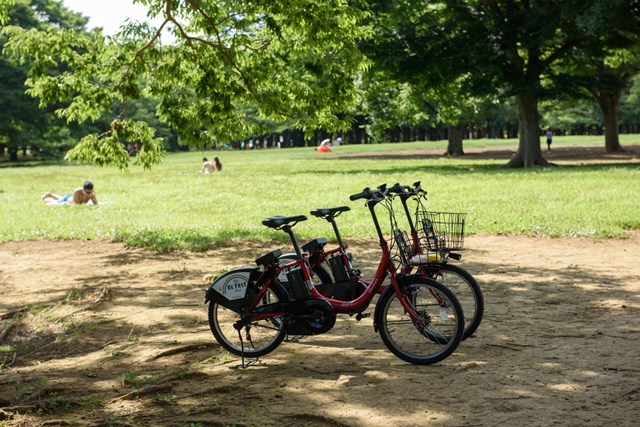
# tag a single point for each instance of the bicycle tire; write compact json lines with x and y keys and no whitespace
{"x":435,"y":337}
{"x":466,"y":289}
{"x":260,"y":337}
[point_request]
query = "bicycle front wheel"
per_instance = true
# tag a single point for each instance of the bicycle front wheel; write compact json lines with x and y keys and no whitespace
{"x":256,"y":338}
{"x":466,"y":289}
{"x":433,"y":330}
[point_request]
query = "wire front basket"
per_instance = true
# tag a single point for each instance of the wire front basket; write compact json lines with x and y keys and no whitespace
{"x":403,"y":247}
{"x":409,"y":252}
{"x":442,"y":231}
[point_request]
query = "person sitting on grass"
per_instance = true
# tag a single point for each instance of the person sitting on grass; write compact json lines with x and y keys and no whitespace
{"x":80,"y":196}
{"x":217,"y":164}
{"x":210,"y":167}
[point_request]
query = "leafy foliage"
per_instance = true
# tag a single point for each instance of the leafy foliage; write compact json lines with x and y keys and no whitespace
{"x":4,"y":15}
{"x":498,"y":48}
{"x":22,"y":123}
{"x":291,"y":60}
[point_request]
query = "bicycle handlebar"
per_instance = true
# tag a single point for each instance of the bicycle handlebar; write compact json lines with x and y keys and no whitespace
{"x":364,"y":194}
{"x":398,"y":189}
{"x":369,"y":194}
{"x":404,"y":191}
{"x":417,"y":188}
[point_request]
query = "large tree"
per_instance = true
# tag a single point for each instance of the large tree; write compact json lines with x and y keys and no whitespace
{"x":604,"y":67}
{"x":290,"y":59}
{"x":507,"y":47}
{"x":388,"y":104}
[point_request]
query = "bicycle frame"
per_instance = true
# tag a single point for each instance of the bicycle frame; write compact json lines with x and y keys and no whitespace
{"x":266,"y":279}
{"x":385,"y":269}
{"x":375,"y":286}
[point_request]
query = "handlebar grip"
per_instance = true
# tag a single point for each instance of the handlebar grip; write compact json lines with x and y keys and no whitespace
{"x":364,"y":194}
{"x":397,"y":188}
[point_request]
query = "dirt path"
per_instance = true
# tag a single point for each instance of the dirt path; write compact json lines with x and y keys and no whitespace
{"x":120,"y":337}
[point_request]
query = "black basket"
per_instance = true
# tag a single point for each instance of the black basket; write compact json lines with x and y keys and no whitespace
{"x":442,"y":231}
{"x":409,"y":252}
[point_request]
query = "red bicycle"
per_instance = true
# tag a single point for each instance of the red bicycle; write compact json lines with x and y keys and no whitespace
{"x":426,"y":251}
{"x":251,"y":311}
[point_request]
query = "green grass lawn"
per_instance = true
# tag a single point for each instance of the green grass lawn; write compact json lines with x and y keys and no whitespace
{"x":174,"y":207}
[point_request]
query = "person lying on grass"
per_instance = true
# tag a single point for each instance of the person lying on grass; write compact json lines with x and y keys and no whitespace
{"x":80,"y":195}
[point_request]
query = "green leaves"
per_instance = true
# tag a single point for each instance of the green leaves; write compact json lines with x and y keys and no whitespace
{"x":289,"y":60}
{"x":4,"y":15}
{"x":109,"y":149}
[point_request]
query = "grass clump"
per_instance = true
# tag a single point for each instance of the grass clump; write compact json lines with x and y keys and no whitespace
{"x":166,"y":240}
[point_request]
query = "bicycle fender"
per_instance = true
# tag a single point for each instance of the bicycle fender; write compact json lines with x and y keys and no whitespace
{"x":231,"y":286}
{"x":285,"y":259}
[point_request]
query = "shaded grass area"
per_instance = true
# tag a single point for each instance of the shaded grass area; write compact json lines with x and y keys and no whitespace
{"x":173,"y":207}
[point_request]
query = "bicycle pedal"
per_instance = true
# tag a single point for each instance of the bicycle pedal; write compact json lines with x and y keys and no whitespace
{"x":361,"y":316}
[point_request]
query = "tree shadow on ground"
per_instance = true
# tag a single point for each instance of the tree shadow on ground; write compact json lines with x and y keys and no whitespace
{"x":103,"y":359}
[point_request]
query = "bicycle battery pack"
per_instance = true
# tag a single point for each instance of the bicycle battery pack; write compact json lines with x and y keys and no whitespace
{"x":297,"y":286}
{"x":338,"y":268}
{"x":342,"y":288}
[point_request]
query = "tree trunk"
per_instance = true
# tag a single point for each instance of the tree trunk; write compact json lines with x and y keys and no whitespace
{"x":609,"y":101}
{"x":455,"y":140}
{"x":13,"y":154}
{"x":405,"y":132}
{"x":529,"y":153}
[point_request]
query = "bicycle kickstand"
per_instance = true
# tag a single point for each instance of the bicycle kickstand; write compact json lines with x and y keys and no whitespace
{"x":252,"y":361}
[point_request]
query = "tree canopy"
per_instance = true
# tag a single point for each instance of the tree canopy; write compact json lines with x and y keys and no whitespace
{"x":501,"y":48}
{"x":233,"y":69}
{"x":291,"y":60}
{"x":21,"y":120}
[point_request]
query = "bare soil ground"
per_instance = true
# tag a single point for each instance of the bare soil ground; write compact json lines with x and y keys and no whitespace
{"x":94,"y":334}
{"x":574,"y":155}
{"x":111,"y":336}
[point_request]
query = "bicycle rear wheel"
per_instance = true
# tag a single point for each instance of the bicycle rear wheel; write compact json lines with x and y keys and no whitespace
{"x":437,"y":329}
{"x":466,"y":289}
{"x":256,"y":338}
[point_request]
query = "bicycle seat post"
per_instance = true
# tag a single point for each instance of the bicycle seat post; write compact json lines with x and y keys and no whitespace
{"x":332,"y":220}
{"x":289,"y":230}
